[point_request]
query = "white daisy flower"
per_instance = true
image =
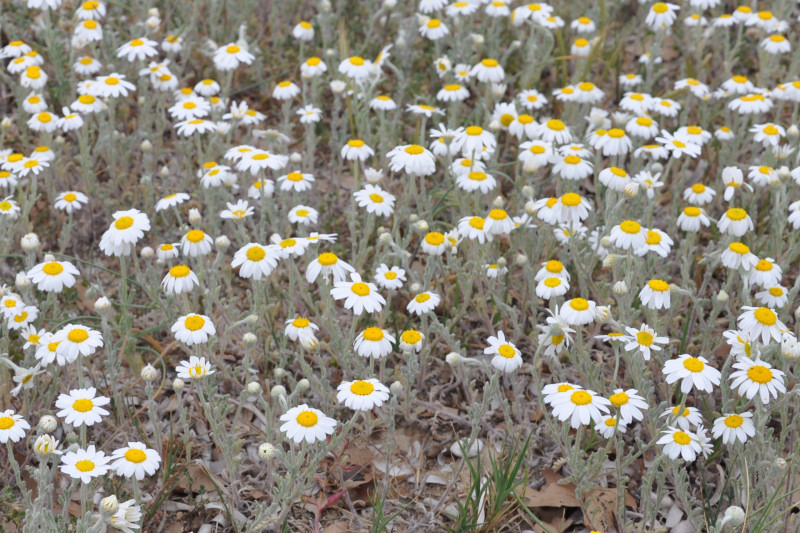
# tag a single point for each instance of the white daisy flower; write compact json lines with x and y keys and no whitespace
{"x":732,"y":427}
{"x":582,"y":407}
{"x":507,"y":357}
{"x":82,"y":406}
{"x":358,"y":295}
{"x":362,"y":395}
{"x":306,"y":423}
{"x":693,"y":372}
{"x":424,"y":302}
{"x":193,"y":329}
{"x":754,"y":377}
{"x":85,"y":464}
{"x":194,"y":368}
{"x":135,"y":460}
{"x":374,"y":342}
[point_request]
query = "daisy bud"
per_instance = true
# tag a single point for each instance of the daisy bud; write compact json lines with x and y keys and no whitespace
{"x":153,"y":22}
{"x":146,"y":146}
{"x":338,"y":86}
{"x":275,"y":238}
{"x":373,"y":175}
{"x":266,"y":451}
{"x":253,"y":388}
{"x":102,"y":305}
{"x":605,"y":242}
{"x":422,"y":19}
{"x":381,"y":230}
{"x":453,"y":358}
{"x":22,"y":281}
{"x":279,"y":373}
{"x":477,"y":39}
{"x":499,"y":89}
{"x":521,"y":260}
{"x":793,"y":131}
{"x":515,"y":44}
{"x":330,"y":53}
{"x":495,"y":125}
{"x":45,"y":445}
{"x":109,"y":505}
{"x":784,"y":173}
{"x":385,"y":239}
{"x":722,"y":296}
{"x":148,"y":373}
{"x":734,"y":517}
{"x":502,"y":262}
{"x":49,"y":258}
{"x":632,"y":189}
{"x":530,"y":207}
{"x":251,"y":319}
{"x":527,"y":191}
{"x":415,"y":288}
{"x":498,"y":202}
{"x":152,"y":12}
{"x":278,"y":391}
{"x":303,"y":385}
{"x":29,"y":242}
{"x":59,"y":141}
{"x":194,"y":216}
{"x":389,"y":4}
{"x":249,"y":339}
{"x":146,"y":253}
{"x":164,"y":172}
{"x":325,"y":6}
{"x":620,"y":287}
{"x":609,"y":260}
{"x":413,"y":217}
{"x":295,"y":158}
{"x":48,"y":424}
{"x":780,"y":462}
{"x":6,"y":123}
{"x":421,"y":226}
{"x":141,"y":101}
{"x":790,"y":348}
{"x":602,"y":313}
{"x":178,"y":384}
{"x":223,"y":243}
{"x":396,"y":388}
{"x":656,"y":167}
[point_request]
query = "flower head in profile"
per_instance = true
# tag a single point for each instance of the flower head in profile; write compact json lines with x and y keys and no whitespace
{"x":194,"y":368}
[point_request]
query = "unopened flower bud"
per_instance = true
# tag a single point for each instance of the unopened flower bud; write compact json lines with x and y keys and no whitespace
{"x":249,"y":339}
{"x":415,"y":287}
{"x":421,"y":226}
{"x":793,"y":131}
{"x":303,"y":385}
{"x":22,"y":281}
{"x":784,"y":173}
{"x":527,"y":191}
{"x":222,"y":242}
{"x":499,"y":89}
{"x":45,"y":445}
{"x":620,"y":287}
{"x":194,"y":216}
{"x":164,"y":172}
{"x":149,"y":373}
{"x":266,"y":451}
{"x":515,"y":44}
{"x":59,"y":140}
{"x":396,"y":388}
{"x":251,"y":319}
{"x":609,"y":260}
{"x":279,"y":373}
{"x":385,"y":238}
{"x":477,"y":39}
{"x":453,"y":358}
{"x":153,"y":12}
{"x":498,"y":202}
{"x":48,"y":258}
{"x":109,"y":505}
{"x":780,"y":462}
{"x":102,"y":305}
{"x":295,"y":158}
{"x":277,"y":391}
{"x":389,"y":4}
{"x":501,"y":262}
{"x":146,"y":253}
{"x":254,"y":388}
{"x":6,"y":123}
{"x":48,"y":424}
{"x":338,"y":86}
{"x":722,"y":296}
{"x":521,"y":260}
{"x":30,"y":242}
{"x":146,"y":145}
{"x":495,"y":125}
{"x":632,"y":189}
{"x":178,"y":384}
{"x":605,"y":242}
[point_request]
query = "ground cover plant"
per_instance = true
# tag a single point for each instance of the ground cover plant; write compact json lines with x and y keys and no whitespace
{"x":399,"y":266}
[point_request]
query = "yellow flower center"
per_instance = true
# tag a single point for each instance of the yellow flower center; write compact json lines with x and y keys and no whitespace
{"x":232,"y":49}
{"x":327,"y":259}
{"x":571,"y":199}
{"x":411,"y":336}
{"x":765,"y":316}
{"x":733,"y":421}
{"x":619,"y":399}
{"x":111,"y":80}
{"x":6,"y":422}
{"x":360,"y":288}
{"x":691,"y":211}
{"x":422,"y":298}
{"x":434,"y":238}
{"x":255,"y":254}
{"x":414,"y":149}
{"x":776,"y":291}
{"x":195,"y":235}
{"x":70,"y":197}
{"x":658,"y":285}
{"x":84,"y":405}
{"x":644,"y":338}
{"x":507,"y":351}
{"x":681,"y":437}
{"x":373,"y":334}
{"x":194,"y":322}
{"x":77,"y":335}
{"x":630,"y":227}
{"x":136,"y":42}
{"x":616,"y":133}
{"x":179,"y":271}
{"x":693,"y":364}
{"x":476,"y":222}
{"x":362,"y":388}
{"x":434,"y":23}
{"x":644,"y":121}
{"x":653,"y":237}
{"x":579,"y":304}
{"x":555,"y":125}
{"x":760,"y":374}
{"x":86,"y":99}
{"x":537,"y":149}
{"x":490,"y":63}
{"x":474,"y":130}
{"x":552,"y":282}
{"x":307,"y":419}
{"x":135,"y":456}
{"x":581,"y":397}
{"x":52,"y":268}
{"x":123,"y":222}
{"x":84,"y":465}
{"x":498,"y":214}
